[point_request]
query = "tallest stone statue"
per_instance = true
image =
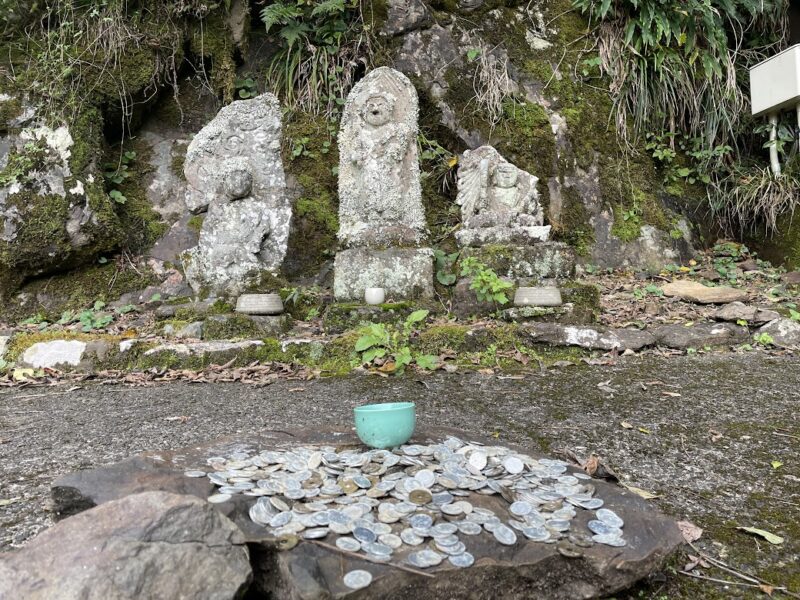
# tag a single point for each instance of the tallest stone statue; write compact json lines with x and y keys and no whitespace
{"x":381,"y":218}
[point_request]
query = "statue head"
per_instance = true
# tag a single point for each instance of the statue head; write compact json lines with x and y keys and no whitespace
{"x":377,"y":109}
{"x":505,"y":175}
{"x":238,"y":183}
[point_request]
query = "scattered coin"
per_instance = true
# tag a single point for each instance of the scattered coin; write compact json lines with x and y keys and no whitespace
{"x":357,"y":579}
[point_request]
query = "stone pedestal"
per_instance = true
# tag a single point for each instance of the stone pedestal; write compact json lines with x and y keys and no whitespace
{"x":403,"y":272}
{"x":528,"y":265}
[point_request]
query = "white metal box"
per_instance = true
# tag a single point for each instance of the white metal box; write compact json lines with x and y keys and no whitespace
{"x":775,"y":82}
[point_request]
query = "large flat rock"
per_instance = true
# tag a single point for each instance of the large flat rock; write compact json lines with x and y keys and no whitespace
{"x":308,"y":570}
{"x":150,"y":545}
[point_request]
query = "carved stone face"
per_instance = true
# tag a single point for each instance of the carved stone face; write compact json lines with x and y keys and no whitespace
{"x":238,"y":183}
{"x":505,"y":175}
{"x":377,"y":111}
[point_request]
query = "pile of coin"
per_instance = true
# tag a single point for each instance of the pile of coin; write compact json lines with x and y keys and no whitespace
{"x":413,"y":500}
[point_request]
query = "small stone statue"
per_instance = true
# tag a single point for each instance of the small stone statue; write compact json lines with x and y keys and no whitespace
{"x":499,"y":202}
{"x":234,"y":172}
{"x":381,"y":218}
{"x":379,"y":189}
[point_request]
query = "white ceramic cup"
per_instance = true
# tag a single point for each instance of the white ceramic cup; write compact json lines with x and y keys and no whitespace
{"x":374,"y":295}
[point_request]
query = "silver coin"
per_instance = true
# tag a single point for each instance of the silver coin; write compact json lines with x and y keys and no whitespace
{"x":505,"y":535}
{"x":558,"y":524}
{"x":430,"y":557}
{"x":194,"y":473}
{"x":592,"y":504}
{"x":454,"y":509}
{"x":348,"y":543}
{"x":469,"y":528}
{"x":357,"y":579}
{"x":536,"y":534}
{"x":456,"y":548}
{"x":409,"y":536}
{"x":602,"y":528}
{"x":478,"y":460}
{"x":364,"y":535}
{"x":513,"y":465}
{"x":377,"y":548}
{"x":425,"y":477}
{"x":609,"y":517}
{"x":420,"y":521}
{"x":389,"y":539}
{"x":218,"y":498}
{"x":462,"y":561}
{"x":280,"y":519}
{"x":520,"y":508}
{"x":609,"y":540}
{"x":315,"y":533}
{"x":444,"y":529}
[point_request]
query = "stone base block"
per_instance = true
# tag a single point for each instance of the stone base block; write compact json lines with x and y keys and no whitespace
{"x":527,"y":264}
{"x":404,"y":272}
{"x":480,"y":236}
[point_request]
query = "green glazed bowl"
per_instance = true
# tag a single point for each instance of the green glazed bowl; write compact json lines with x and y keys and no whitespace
{"x":385,"y":425}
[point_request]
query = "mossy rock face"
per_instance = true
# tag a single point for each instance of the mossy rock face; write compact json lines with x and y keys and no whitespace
{"x":54,"y":210}
{"x":784,"y":246}
{"x":551,"y":120}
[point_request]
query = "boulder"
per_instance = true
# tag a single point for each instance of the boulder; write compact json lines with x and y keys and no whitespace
{"x":591,"y":338}
{"x":693,"y":291}
{"x":791,"y":278}
{"x":738,"y":311}
{"x":700,"y":335}
{"x":526,"y":570}
{"x":149,"y":545}
{"x":54,"y":211}
{"x":785,"y":333}
{"x":54,"y":354}
{"x":405,"y":15}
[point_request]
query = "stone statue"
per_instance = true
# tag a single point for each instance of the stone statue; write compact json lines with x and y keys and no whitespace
{"x":379,"y":189}
{"x":381,"y":218}
{"x":234,"y":172}
{"x":499,"y":202}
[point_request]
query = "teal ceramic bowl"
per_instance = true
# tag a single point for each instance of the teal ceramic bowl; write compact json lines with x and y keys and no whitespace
{"x":385,"y":425}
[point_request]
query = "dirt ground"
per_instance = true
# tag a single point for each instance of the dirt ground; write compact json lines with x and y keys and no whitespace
{"x":705,"y":433}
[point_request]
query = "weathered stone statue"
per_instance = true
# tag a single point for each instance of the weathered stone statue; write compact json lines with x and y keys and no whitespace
{"x":499,"y":202}
{"x":234,"y":171}
{"x":381,"y":218}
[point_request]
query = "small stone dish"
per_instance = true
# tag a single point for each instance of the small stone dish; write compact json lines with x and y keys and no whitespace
{"x":537,"y":296}
{"x":385,"y":425}
{"x":259,"y":304}
{"x":374,"y":295}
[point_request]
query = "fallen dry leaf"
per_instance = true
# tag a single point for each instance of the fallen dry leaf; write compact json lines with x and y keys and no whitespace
{"x":690,"y":531}
{"x":181,"y":418}
{"x":671,"y":394}
{"x":714,"y":435}
{"x":770,"y":537}
{"x":767,"y":589}
{"x":626,"y":425}
{"x":297,"y":389}
{"x":640,"y":492}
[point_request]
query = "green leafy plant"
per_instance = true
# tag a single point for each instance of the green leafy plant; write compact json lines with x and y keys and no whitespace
{"x":649,"y":290}
{"x":444,"y":266}
{"x":116,"y":174}
{"x":91,"y":318}
{"x":246,"y":88}
{"x":388,"y":345}
{"x":321,"y":45}
{"x":794,"y":315}
{"x":763,"y":339}
{"x":487,"y":285}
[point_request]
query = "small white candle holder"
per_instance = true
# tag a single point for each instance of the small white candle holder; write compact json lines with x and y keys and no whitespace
{"x":374,"y":295}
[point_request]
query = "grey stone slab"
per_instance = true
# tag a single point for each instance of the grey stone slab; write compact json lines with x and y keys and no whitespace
{"x":699,"y":335}
{"x":785,"y":333}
